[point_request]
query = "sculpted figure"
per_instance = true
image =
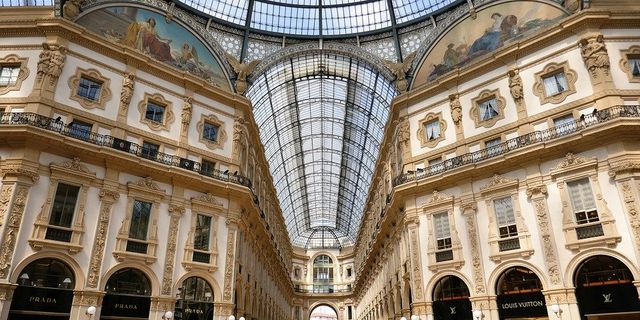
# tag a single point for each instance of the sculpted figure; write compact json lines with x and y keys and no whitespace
{"x":400,"y":69}
{"x":187,"y":107}
{"x":595,"y":55}
{"x":127,"y":90}
{"x":243,"y":71}
{"x":71,"y":9}
{"x":456,"y":109}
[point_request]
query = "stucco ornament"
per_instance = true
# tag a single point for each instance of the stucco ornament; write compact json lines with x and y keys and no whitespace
{"x":71,"y":9}
{"x":50,"y":62}
{"x":127,"y":90}
{"x":595,"y":56}
{"x":187,"y":108}
{"x":456,"y":109}
{"x":399,"y":70}
{"x":243,"y":71}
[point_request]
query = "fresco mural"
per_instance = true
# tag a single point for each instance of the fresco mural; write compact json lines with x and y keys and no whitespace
{"x":150,"y":33}
{"x":493,"y":28}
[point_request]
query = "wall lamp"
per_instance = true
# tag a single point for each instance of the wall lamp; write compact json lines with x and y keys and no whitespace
{"x":556,"y":309}
{"x":90,"y":311}
{"x":477,"y":314}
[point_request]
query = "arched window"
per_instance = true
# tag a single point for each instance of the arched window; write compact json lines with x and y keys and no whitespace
{"x":196,"y":289}
{"x":47,"y":273}
{"x":450,"y":288}
{"x":129,"y":281}
{"x":600,"y":271}
{"x":518,"y":280}
{"x":195,"y":300}
{"x":322,"y":274}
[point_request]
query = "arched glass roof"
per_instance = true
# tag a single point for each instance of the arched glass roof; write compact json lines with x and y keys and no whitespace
{"x":318,"y":17}
{"x":321,"y":118}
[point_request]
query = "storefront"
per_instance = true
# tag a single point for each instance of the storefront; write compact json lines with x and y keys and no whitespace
{"x":605,"y":290}
{"x":127,"y":296}
{"x":195,"y":300}
{"x":520,"y":295}
{"x":451,"y":299}
{"x":45,"y":290}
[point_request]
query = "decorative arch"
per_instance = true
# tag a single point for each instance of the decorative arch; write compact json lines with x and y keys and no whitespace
{"x":217,"y":292}
{"x":439,"y":276}
{"x":439,"y":39}
{"x":155,"y":284}
{"x":575,"y":262}
{"x":323,"y":253}
{"x":501,"y":268}
{"x":70,"y":262}
{"x":169,"y":15}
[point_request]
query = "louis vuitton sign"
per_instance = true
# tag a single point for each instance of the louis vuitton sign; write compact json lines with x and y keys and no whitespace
{"x":522,"y":305}
{"x":608,"y":299}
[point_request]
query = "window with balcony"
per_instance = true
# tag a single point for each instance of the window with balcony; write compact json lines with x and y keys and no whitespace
{"x":565,"y":124}
{"x":507,"y":227}
{"x":493,"y":146}
{"x":201,"y":250}
{"x":207,"y":167}
{"x":60,"y":222}
{"x":137,"y":237}
{"x":509,"y":235}
{"x":442,"y":235}
{"x":80,"y":129}
{"x":149,"y":150}
{"x":586,"y":218}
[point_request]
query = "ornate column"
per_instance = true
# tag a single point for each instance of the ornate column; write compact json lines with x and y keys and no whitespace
{"x":176,"y":210}
{"x":17,"y":181}
{"x":418,"y":306}
{"x":226,"y":306}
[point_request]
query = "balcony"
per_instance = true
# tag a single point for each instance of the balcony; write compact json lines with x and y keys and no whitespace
{"x":517,"y":143}
{"x":57,"y":126}
{"x":324,"y":289}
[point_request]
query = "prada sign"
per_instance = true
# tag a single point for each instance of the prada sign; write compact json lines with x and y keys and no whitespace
{"x":608,"y":299}
{"x":42,"y":299}
{"x":459,"y":309}
{"x":193,"y":310}
{"x":126,"y":306}
{"x":522,"y":305}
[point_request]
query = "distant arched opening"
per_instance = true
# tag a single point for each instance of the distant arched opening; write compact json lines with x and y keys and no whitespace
{"x":323,"y":312}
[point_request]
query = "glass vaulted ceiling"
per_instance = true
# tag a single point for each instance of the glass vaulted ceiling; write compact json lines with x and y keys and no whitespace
{"x":318,"y":17}
{"x":321,"y":118}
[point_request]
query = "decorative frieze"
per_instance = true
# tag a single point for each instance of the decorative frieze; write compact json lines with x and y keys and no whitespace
{"x":230,"y":261}
{"x":469,"y":212}
{"x":5,"y":197}
{"x":538,"y":194}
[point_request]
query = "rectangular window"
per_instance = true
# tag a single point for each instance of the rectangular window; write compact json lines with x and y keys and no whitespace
{"x":210,"y":132}
{"x":436,"y":165}
{"x":203,"y":233}
{"x":149,"y":150}
{"x":488,"y":109}
{"x":9,"y":75}
{"x":432,"y":129}
{"x":207,"y":167}
{"x":64,"y":206}
{"x":140,"y":220}
{"x":584,"y":206}
{"x":155,"y":112}
{"x":89,"y":89}
{"x":493,"y":146}
{"x":442,"y":231}
{"x":348,"y":272}
{"x":564,"y":124}
{"x":80,"y":130}
{"x":505,"y":218}
{"x":349,"y":312}
{"x":555,"y":84}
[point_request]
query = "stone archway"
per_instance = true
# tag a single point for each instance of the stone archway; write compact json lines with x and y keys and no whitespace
{"x":324,"y":311}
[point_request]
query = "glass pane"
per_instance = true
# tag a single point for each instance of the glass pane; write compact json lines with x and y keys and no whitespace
{"x":432,"y":129}
{"x":203,"y":232}
{"x":210,"y":131}
{"x":140,"y":220}
{"x":154,"y":112}
{"x":129,"y":281}
{"x":64,"y":205}
{"x":504,"y":211}
{"x":89,"y":89}
{"x":488,"y":110}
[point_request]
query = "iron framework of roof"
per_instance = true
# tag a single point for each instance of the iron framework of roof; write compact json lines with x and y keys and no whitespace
{"x":321,"y":118}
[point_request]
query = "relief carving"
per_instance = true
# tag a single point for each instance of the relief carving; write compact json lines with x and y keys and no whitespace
{"x":417,"y":270}
{"x":228,"y":273}
{"x":127,"y":91}
{"x":5,"y":196}
{"x":176,"y":212}
{"x":11,"y":231}
{"x":243,"y":71}
{"x":456,"y":109}
{"x":400,"y":70}
{"x":596,"y":58}
{"x":538,"y":196}
{"x":50,"y":63}
{"x":476,"y":260}
{"x":107,"y":198}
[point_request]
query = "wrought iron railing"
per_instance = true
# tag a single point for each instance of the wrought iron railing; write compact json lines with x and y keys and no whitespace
{"x":323,"y":288}
{"x":590,"y":231}
{"x":509,"y":244}
{"x":137,"y":247}
{"x":58,"y":234}
{"x":55,"y":125}
{"x":202,"y":257}
{"x":521,"y":142}
{"x":446,"y":255}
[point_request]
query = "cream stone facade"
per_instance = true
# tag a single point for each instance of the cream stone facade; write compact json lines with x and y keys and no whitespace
{"x":174,"y":202}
